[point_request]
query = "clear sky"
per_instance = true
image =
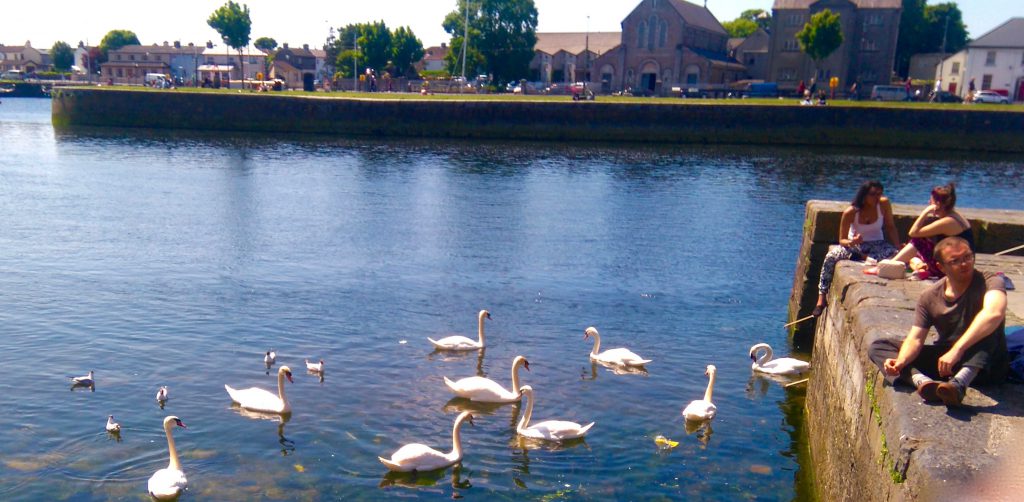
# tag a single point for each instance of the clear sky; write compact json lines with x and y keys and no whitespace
{"x":307,"y":21}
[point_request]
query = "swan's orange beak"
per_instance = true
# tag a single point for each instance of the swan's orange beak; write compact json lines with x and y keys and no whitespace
{"x":181,"y":424}
{"x":526,"y":364}
{"x":470,"y":419}
{"x":289,"y":375}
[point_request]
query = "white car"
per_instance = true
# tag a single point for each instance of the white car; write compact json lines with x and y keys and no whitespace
{"x":990,"y":97}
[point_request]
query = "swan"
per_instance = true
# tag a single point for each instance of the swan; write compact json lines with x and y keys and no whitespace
{"x":782,"y":366}
{"x":620,"y":357}
{"x":420,"y":457}
{"x":258,"y":399}
{"x":112,"y":426}
{"x":270,"y":358}
{"x":459,"y":342}
{"x":703,"y":409}
{"x":168,"y":483}
{"x":315,"y":367}
{"x":485,"y":390}
{"x":555,"y":430}
{"x":161,"y":395}
{"x":83,"y":380}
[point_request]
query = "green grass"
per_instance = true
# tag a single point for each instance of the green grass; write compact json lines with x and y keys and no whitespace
{"x":514,"y":98}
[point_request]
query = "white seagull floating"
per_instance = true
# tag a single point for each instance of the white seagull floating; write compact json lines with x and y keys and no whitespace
{"x":83,"y":380}
{"x":315,"y":367}
{"x":270,"y":358}
{"x":112,"y":426}
{"x":161,"y":395}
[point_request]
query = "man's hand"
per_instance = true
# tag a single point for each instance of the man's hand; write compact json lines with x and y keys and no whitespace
{"x":892,"y":367}
{"x":948,"y":361}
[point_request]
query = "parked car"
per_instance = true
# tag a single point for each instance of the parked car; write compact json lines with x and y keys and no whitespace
{"x":889,"y":93}
{"x":990,"y":97}
{"x":12,"y":75}
{"x":947,"y":97}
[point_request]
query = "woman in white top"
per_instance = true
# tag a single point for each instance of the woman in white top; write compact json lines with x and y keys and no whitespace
{"x":865,"y":229}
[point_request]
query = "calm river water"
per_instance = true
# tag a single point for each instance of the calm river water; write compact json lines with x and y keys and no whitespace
{"x":168,"y":258}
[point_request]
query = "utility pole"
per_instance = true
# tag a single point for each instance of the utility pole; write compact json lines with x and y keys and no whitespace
{"x":355,"y":61}
{"x":586,"y":63}
{"x":465,"y":48}
{"x":942,"y":61}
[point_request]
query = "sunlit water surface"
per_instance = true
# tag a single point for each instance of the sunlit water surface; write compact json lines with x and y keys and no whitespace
{"x":178,"y":259}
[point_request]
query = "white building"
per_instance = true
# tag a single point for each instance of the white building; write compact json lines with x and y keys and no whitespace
{"x":995,"y":61}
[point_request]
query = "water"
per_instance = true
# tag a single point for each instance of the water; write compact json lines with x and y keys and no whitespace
{"x":178,"y":259}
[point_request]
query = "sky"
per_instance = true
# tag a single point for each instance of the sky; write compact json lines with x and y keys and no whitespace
{"x":299,"y":22}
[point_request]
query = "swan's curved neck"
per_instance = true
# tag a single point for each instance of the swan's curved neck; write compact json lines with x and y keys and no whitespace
{"x":480,"y":329}
{"x":515,"y":376}
{"x":524,"y":421}
{"x":766,"y":355}
{"x":280,"y":388}
{"x":173,"y":463}
{"x":597,"y":344}
{"x":711,"y":385}
{"x":456,"y":453}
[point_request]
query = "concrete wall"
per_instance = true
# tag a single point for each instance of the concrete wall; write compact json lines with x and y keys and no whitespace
{"x":661,"y":122}
{"x":994,"y":231}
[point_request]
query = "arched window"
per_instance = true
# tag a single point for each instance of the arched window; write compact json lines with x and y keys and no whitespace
{"x":653,"y":25}
{"x":662,"y":33}
{"x":692,"y":74}
{"x":641,"y":34}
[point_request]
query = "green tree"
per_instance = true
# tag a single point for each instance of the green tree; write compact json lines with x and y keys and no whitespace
{"x":267,"y":45}
{"x":375,"y":45}
{"x":232,"y":21}
{"x":502,"y":34}
{"x":114,"y":40}
{"x":921,"y":31}
{"x":63,"y":56}
{"x":740,"y":28}
{"x":821,"y":36}
{"x":406,"y":50}
{"x":341,"y":50}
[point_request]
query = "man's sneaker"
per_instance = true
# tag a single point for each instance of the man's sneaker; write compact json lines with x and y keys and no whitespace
{"x":927,"y":391}
{"x":950,"y":393}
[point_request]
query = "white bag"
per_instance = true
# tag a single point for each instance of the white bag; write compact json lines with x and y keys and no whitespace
{"x":891,"y":269}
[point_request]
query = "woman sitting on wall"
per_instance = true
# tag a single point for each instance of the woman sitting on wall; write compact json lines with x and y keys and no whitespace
{"x":860,"y":234}
{"x":938,"y":221}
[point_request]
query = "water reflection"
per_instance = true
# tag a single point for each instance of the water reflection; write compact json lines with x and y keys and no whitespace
{"x":700,"y":430}
{"x":417,"y":480}
{"x":287,"y":445}
{"x":91,"y":386}
{"x":613,"y":368}
{"x":453,"y":355}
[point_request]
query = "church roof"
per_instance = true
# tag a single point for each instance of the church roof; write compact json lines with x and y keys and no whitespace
{"x":697,"y":15}
{"x":861,"y":4}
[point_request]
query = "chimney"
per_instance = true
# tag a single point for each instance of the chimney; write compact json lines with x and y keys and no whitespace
{"x":177,"y":44}
{"x":444,"y":45}
{"x":166,"y":44}
{"x":305,"y":47}
{"x":284,"y":45}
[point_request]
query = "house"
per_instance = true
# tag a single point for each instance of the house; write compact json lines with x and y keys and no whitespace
{"x":667,"y":44}
{"x":297,"y":67}
{"x":563,"y":57}
{"x":995,"y":61}
{"x":867,"y":54}
{"x":24,"y":58}
{"x":752,"y":52}
{"x":922,"y":66}
{"x":222,"y":63}
{"x":434,"y":58}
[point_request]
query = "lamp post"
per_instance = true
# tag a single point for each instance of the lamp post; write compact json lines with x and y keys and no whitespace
{"x":586,"y":63}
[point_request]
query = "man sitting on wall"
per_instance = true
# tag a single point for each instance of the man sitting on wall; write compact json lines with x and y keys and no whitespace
{"x":968,"y":310}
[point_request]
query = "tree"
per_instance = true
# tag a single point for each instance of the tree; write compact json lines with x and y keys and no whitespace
{"x":406,"y":49}
{"x":740,"y":28}
{"x":234,"y":25}
{"x":375,"y":44}
{"x":503,"y":34}
{"x":63,"y":56}
{"x":267,"y":45}
{"x":762,"y":17}
{"x":821,"y":36}
{"x":921,"y":30}
{"x":114,"y":40}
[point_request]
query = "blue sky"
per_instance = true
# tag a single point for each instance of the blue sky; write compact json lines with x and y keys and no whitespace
{"x":307,"y":21}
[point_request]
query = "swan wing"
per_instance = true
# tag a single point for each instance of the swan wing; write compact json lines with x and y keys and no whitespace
{"x":481,"y":389}
{"x":783,"y":366}
{"x":556,"y":430}
{"x":700,"y":410}
{"x":417,"y":457}
{"x":456,"y":342}
{"x":621,"y":356}
{"x":167,"y":483}
{"x":255,"y":398}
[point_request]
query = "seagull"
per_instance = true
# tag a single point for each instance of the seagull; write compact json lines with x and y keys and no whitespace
{"x":316,"y":367}
{"x":112,"y":426}
{"x":83,"y":380}
{"x":270,"y":358}
{"x":161,"y":395}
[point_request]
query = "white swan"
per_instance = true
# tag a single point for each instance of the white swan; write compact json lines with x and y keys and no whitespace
{"x":258,"y":399}
{"x":485,"y":390}
{"x":270,"y":358}
{"x":459,"y":342}
{"x":420,"y":457}
{"x":83,"y":380}
{"x":112,"y":426}
{"x":168,"y":483}
{"x":703,"y":409}
{"x":782,"y":366}
{"x":621,"y":357}
{"x":315,"y":367}
{"x":161,"y":395}
{"x":555,"y":430}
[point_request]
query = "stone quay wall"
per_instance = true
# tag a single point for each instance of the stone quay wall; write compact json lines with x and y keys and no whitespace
{"x":685,"y":122}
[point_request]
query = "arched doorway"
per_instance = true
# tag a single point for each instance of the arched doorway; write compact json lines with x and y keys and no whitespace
{"x":607,"y":74}
{"x":649,"y":77}
{"x":692,"y":75}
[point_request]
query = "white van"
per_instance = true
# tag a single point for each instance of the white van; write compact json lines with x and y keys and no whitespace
{"x":889,"y":93}
{"x":156,"y":80}
{"x":12,"y":75}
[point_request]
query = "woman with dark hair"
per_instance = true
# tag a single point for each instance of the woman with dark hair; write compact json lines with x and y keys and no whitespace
{"x":863,"y":229}
{"x":938,"y":221}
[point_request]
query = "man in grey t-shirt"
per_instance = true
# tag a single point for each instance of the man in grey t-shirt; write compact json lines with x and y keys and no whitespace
{"x":968,"y":310}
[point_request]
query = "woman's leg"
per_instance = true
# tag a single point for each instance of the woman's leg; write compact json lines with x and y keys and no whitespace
{"x":828,"y":267}
{"x":905,"y":254}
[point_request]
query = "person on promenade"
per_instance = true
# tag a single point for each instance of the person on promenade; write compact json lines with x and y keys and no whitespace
{"x":968,"y":310}
{"x":936,"y":222}
{"x":860,"y":234}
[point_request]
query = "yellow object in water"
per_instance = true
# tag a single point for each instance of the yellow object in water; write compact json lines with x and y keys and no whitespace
{"x":299,"y":468}
{"x":665,"y":442}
